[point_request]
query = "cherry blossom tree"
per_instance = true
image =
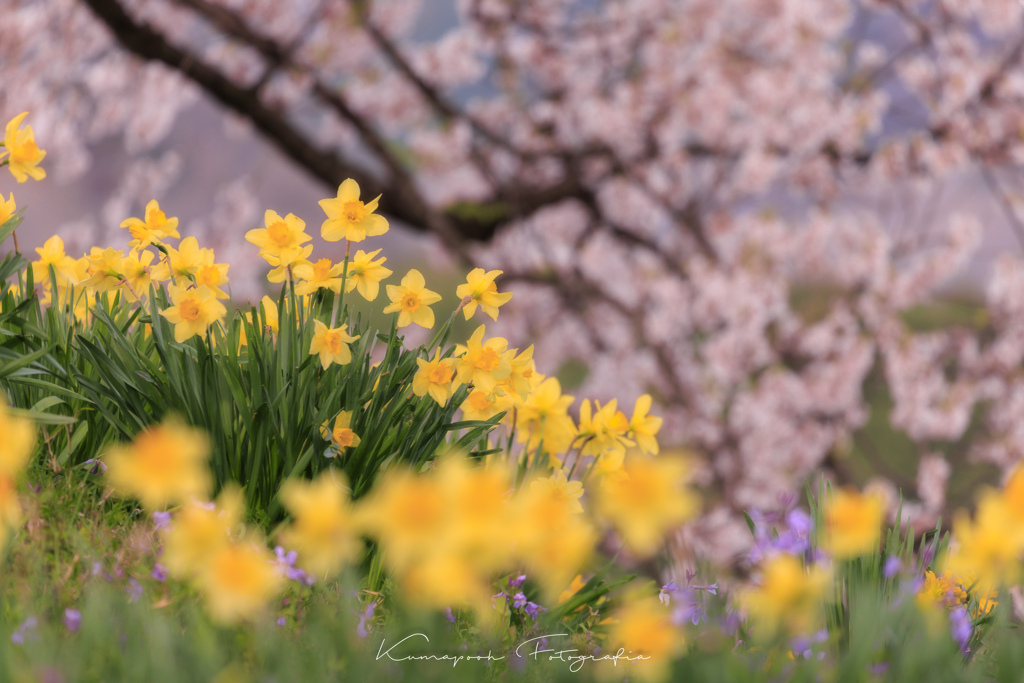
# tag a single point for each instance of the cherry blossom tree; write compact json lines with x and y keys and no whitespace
{"x":659,"y":180}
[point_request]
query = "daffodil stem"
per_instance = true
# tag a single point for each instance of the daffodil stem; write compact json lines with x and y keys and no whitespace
{"x":344,"y":287}
{"x":14,"y":234}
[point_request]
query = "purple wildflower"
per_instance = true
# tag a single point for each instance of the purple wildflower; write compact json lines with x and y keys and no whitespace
{"x":517,"y":581}
{"x":134,"y":590}
{"x":159,"y":572}
{"x":519,"y":600}
{"x":893,"y":565}
{"x":286,"y":563}
{"x":72,"y":619}
{"x":448,"y":615}
{"x":534,"y":610}
{"x":26,"y":630}
{"x":281,"y":621}
{"x":666,"y":590}
{"x":960,"y":626}
{"x":361,"y":630}
{"x":98,"y":466}
{"x":161,"y":519}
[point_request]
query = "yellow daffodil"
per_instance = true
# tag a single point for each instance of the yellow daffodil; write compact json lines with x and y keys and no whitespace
{"x":153,"y":229}
{"x":319,"y":275}
{"x":52,"y":254}
{"x":481,"y":363}
{"x":603,"y":430}
{"x":643,"y":626}
{"x":341,"y":434}
{"x":560,"y":489}
{"x":212,"y":275}
{"x":522,"y":373}
{"x":279,"y":267}
{"x":18,"y":442}
{"x":164,"y":465}
{"x":22,"y":153}
{"x":788,"y":597}
{"x":7,"y":208}
{"x":647,"y":501}
{"x":853,"y":524}
{"x":350,"y":219}
{"x":321,"y":531}
{"x":408,"y":514}
{"x":989,"y":546}
{"x":331,"y":344}
{"x":193,"y":312}
{"x":238,"y":580}
{"x":434,"y":377}
{"x":481,"y":290}
{"x":182,"y":263}
{"x":198,"y":530}
{"x":481,"y":405}
{"x":480,"y":516}
{"x":544,"y":418}
{"x":412,"y":300}
{"x":643,"y":428}
{"x":365,"y":274}
{"x":136,"y":270}
{"x":282,"y":238}
{"x":104,"y":272}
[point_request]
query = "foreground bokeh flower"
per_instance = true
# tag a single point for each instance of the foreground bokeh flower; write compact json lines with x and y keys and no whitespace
{"x":199,"y":529}
{"x":17,"y":441}
{"x":164,"y":465}
{"x":788,"y":597}
{"x":645,"y":500}
{"x":853,"y":523}
{"x":238,"y":580}
{"x":643,"y":627}
{"x":322,"y":530}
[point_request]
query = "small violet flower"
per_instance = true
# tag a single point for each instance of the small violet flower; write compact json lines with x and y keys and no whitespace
{"x":361,"y":630}
{"x":72,"y":619}
{"x":134,"y":590}
{"x":27,"y":629}
{"x":161,"y":519}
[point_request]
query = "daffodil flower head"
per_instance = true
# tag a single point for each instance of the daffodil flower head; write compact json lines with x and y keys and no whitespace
{"x":193,"y":312}
{"x":165,"y":464}
{"x":22,"y":153}
{"x":482,"y":363}
{"x":7,"y":208}
{"x":480,"y":289}
{"x":154,"y":228}
{"x":282,"y":238}
{"x":349,"y":218}
{"x":238,"y":580}
{"x":331,"y":344}
{"x":434,"y":377}
{"x":365,"y":274}
{"x":320,"y":275}
{"x":322,"y":529}
{"x":853,"y":523}
{"x":412,"y":301}
{"x":19,"y":440}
